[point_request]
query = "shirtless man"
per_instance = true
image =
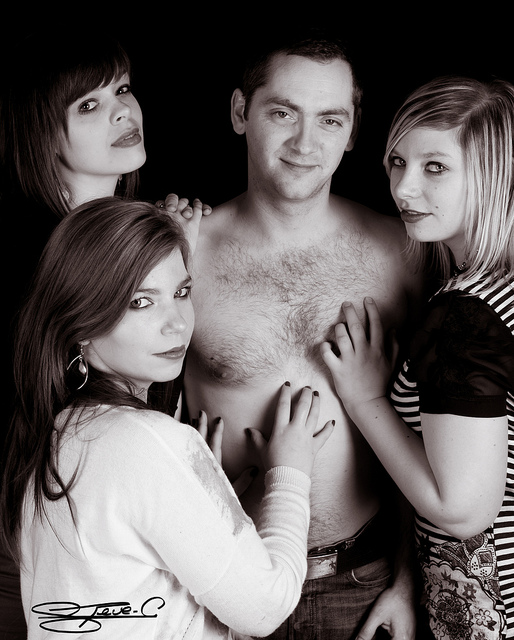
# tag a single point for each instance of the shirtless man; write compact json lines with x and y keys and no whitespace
{"x":271,"y":270}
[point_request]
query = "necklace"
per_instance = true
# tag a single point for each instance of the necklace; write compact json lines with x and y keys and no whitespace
{"x":460,"y":267}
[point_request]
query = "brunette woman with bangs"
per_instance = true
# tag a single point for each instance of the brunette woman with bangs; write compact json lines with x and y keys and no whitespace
{"x":70,"y":131}
{"x":108,"y":502}
{"x":49,"y":85}
{"x":450,"y":159}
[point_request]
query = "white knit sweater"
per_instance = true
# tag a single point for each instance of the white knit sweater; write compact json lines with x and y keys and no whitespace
{"x":160,"y":546}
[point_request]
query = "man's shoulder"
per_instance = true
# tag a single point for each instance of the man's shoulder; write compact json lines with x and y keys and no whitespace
{"x":228,"y":208}
{"x":216,"y":227}
{"x":222,"y":227}
{"x":353,"y":207}
{"x":376,"y":225}
{"x":386,"y":237}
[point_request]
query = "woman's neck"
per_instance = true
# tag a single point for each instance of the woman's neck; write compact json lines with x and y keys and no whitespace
{"x":141,"y":394}
{"x":82,"y":189}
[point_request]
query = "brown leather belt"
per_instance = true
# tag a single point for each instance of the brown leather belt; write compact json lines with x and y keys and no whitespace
{"x":371,"y":542}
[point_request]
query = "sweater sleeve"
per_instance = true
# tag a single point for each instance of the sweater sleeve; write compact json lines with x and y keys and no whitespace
{"x":263,"y":582}
{"x":189,"y":515}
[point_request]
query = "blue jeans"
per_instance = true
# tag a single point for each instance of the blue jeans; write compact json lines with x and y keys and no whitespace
{"x":336,"y":606}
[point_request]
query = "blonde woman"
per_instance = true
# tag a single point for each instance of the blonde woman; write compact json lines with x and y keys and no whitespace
{"x":450,"y":161}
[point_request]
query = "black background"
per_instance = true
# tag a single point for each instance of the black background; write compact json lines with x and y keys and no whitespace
{"x":188,"y":59}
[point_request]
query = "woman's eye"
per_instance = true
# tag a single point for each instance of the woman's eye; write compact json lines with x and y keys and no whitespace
{"x":124,"y":89}
{"x":140,"y":303}
{"x":396,"y":161}
{"x":88,"y":105}
{"x":435,"y":167}
{"x":184,"y":292}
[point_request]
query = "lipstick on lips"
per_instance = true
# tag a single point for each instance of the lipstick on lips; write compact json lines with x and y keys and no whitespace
{"x":412,"y":216}
{"x":173,"y":354}
{"x":128,"y":139}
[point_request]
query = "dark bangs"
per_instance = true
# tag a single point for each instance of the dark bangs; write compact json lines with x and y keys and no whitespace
{"x":84,"y":71}
{"x":49,"y":74}
{"x":102,"y":67}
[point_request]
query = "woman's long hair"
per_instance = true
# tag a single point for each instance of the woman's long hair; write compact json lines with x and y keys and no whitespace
{"x":46,"y":77}
{"x":483,"y":113}
{"x":93,"y":263}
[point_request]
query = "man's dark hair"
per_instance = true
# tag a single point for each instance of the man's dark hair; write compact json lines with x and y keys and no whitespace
{"x":315,"y":45}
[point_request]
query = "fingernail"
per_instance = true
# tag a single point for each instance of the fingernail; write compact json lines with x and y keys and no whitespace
{"x":287,"y":383}
{"x":369,"y":300}
{"x":315,"y":393}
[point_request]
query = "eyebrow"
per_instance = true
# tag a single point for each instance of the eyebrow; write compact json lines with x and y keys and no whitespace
{"x":335,"y":111}
{"x":184,"y":283}
{"x":439,"y":154}
{"x":427,"y":155}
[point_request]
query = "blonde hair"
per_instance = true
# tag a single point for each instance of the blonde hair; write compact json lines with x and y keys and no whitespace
{"x":483,"y":113}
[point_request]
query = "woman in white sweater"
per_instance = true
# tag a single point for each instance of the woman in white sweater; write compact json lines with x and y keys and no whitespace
{"x":122,"y":519}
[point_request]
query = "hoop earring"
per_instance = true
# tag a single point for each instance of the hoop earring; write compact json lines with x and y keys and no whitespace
{"x":82,"y":366}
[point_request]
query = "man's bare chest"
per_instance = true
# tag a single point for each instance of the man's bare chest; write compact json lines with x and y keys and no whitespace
{"x":255,"y":313}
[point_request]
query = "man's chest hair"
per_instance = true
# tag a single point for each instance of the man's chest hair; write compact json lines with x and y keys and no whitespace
{"x":271,"y":307}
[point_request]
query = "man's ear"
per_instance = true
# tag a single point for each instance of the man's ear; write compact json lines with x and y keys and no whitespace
{"x":237,"y":112}
{"x":355,"y":130}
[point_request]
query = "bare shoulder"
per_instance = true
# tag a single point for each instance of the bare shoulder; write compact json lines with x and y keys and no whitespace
{"x":378,"y":227}
{"x":386,"y":237}
{"x":217,"y":226}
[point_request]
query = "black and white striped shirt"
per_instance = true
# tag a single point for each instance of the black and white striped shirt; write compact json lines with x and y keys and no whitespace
{"x":461,"y":361}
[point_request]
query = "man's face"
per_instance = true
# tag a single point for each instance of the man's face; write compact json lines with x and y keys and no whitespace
{"x":299,"y":125}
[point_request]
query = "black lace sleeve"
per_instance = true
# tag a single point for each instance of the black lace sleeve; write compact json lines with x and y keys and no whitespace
{"x":463,"y":358}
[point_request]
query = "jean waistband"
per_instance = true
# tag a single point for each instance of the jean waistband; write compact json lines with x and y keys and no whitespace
{"x":371,"y":542}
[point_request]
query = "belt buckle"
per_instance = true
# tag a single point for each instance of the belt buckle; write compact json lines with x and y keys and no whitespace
{"x":321,"y":566}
